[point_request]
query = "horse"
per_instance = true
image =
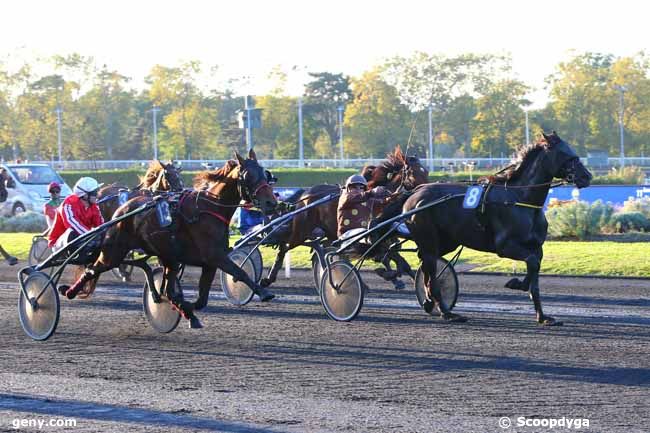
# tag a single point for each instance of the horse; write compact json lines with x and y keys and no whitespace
{"x":198,"y":235}
{"x":398,"y":171}
{"x":508,"y":219}
{"x":158,"y":177}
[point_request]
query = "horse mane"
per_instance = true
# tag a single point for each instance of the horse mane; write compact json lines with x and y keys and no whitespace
{"x":150,"y":176}
{"x":210,"y":176}
{"x":395,"y":160}
{"x":517,"y":165}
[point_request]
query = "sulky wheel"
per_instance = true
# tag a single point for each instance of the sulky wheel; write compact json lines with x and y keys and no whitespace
{"x":317,"y":261}
{"x":447,"y":281}
{"x":39,"y":312}
{"x":162,"y":317}
{"x":343,"y":300}
{"x":256,"y":258}
{"x":238,"y":293}
{"x":39,"y":251}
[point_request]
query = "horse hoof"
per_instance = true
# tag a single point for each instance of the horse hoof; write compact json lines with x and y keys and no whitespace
{"x":72,"y":292}
{"x":265,"y":282}
{"x":516,"y":284}
{"x":195,"y":323}
{"x":266,"y":297}
{"x":549,"y":321}
{"x":451,"y":317}
{"x":12,"y":261}
{"x":399,"y":284}
{"x":428,"y":306}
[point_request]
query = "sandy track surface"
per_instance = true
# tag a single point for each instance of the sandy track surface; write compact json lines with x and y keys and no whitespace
{"x":286,"y":367}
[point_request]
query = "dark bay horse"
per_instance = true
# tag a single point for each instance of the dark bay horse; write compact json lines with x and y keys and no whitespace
{"x":397,"y":171}
{"x":197,"y":237}
{"x":158,"y":177}
{"x":509,"y":219}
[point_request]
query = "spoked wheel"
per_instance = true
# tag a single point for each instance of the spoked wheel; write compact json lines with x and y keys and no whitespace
{"x":343,"y":301}
{"x":256,"y":258}
{"x":316,"y":266}
{"x":39,"y":251}
{"x":238,"y":293}
{"x":162,"y":317}
{"x":124,"y":271}
{"x":39,"y":315}
{"x":447,"y":281}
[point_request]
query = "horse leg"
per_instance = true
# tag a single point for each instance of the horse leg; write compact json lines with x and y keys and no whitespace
{"x":110,"y":257}
{"x":533,"y":264}
{"x":186,"y":309}
{"x":11,"y":260}
{"x":228,"y":266}
{"x":205,"y":282}
{"x":429,"y":266}
{"x":277,"y":264}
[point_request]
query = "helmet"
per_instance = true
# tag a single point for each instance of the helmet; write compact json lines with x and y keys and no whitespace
{"x":85,"y":185}
{"x":356,"y":179}
{"x":53,"y":185}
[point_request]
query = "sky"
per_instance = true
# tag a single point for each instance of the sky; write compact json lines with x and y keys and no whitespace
{"x":249,"y":37}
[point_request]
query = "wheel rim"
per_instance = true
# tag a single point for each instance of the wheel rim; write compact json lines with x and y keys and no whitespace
{"x":39,"y":323}
{"x":238,"y":293}
{"x":345,"y":303}
{"x":162,"y":317}
{"x":447,"y":281}
{"x":39,"y":251}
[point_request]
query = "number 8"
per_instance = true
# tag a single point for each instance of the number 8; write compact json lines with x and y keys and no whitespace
{"x":473,"y":196}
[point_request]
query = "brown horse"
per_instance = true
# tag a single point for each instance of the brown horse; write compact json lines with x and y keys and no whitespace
{"x":198,"y":235}
{"x":398,"y":171}
{"x":158,"y":177}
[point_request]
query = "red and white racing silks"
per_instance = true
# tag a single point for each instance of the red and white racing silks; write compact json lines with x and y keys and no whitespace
{"x":73,"y":214}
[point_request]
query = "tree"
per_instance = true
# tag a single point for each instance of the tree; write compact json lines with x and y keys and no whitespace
{"x":498,"y":125}
{"x":323,"y":96}
{"x":376,"y":119}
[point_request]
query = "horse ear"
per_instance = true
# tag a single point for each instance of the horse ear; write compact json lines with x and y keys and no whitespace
{"x":239,"y":158}
{"x":252,"y":155}
{"x":398,"y":152}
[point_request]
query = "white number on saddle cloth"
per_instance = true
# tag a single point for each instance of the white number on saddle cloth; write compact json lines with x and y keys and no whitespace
{"x":163,"y":213}
{"x":473,"y":197}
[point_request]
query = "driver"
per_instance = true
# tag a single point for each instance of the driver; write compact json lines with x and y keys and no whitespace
{"x":356,"y":204}
{"x":49,"y":208}
{"x":77,"y":215}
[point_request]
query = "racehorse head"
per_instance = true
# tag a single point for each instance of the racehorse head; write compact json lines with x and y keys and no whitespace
{"x":162,"y":177}
{"x":564,"y":163}
{"x":253,"y":184}
{"x":397,"y":171}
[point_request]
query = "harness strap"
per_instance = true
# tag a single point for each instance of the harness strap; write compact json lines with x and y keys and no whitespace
{"x":533,"y":206}
{"x":217,"y":215}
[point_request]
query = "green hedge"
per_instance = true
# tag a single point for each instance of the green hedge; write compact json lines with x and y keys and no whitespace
{"x":301,"y":177}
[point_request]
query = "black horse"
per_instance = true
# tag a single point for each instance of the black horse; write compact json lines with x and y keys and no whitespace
{"x":508,"y":219}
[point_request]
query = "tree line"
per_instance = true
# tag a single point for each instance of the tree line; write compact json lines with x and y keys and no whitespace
{"x":477,"y":108}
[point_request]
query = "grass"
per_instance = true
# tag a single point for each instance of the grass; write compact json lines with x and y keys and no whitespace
{"x":606,"y":258}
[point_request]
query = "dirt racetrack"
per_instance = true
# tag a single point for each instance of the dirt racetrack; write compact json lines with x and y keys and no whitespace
{"x":286,"y":367}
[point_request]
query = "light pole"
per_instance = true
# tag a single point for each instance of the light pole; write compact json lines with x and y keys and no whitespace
{"x":154,"y":115}
{"x":301,"y":155}
{"x":622,"y":90}
{"x":249,"y":131}
{"x":340,"y":110}
{"x":58,"y":129}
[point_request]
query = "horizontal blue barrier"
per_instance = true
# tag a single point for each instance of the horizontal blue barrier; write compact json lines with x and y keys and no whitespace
{"x":614,"y":194}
